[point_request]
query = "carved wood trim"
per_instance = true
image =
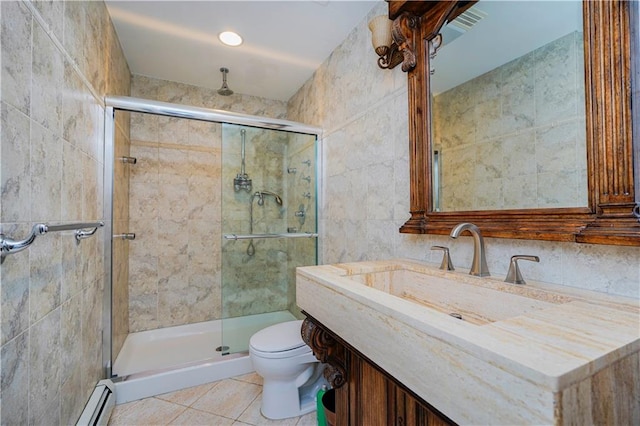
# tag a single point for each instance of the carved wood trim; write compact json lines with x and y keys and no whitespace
{"x":403,"y":32}
{"x":608,"y":219}
{"x":325,"y":349}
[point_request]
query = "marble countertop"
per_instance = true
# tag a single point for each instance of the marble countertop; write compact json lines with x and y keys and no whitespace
{"x":517,"y":361}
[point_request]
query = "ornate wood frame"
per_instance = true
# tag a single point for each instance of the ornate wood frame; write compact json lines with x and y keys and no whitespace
{"x":609,"y":217}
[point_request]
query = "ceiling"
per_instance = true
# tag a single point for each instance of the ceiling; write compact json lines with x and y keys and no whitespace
{"x":284,"y":41}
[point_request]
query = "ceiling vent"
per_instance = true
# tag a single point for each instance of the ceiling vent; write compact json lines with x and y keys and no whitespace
{"x":463,"y":23}
{"x":467,"y":19}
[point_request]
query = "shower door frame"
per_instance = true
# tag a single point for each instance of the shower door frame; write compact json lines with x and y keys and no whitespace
{"x":139,"y":105}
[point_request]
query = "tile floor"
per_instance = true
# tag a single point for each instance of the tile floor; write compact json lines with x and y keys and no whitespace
{"x":227,"y":402}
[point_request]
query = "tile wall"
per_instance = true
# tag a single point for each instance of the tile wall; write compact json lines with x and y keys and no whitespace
{"x":182,"y":182}
{"x":254,"y":283}
{"x":174,"y":202}
{"x":264,"y":282}
{"x":514,"y":137}
{"x":58,"y":60}
{"x":363,"y":111}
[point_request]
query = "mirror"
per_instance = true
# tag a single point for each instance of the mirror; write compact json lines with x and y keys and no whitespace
{"x":602,"y":215}
{"x":507,"y":108}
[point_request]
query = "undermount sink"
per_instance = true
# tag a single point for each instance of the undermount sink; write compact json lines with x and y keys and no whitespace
{"x":469,"y":301}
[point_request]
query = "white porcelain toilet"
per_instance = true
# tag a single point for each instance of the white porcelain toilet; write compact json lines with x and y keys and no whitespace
{"x":292,"y":374}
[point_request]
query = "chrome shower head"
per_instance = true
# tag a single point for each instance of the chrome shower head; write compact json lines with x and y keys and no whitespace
{"x":224,"y":90}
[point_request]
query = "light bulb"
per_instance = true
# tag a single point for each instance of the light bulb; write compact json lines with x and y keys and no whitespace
{"x":230,"y":38}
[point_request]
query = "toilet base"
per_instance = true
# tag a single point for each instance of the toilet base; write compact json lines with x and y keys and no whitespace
{"x":281,"y":400}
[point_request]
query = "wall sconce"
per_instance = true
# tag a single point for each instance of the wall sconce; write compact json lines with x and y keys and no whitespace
{"x":388,"y":54}
{"x":393,"y":41}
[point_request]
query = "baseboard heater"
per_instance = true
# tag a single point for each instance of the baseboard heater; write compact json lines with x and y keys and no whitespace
{"x":100,"y":404}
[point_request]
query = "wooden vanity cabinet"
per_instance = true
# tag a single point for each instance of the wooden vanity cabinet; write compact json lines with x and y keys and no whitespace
{"x":365,"y":394}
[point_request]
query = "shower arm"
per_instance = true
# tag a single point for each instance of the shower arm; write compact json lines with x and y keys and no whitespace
{"x":273,"y":194}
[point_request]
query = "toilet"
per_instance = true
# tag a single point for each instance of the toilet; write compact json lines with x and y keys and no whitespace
{"x":292,"y":374}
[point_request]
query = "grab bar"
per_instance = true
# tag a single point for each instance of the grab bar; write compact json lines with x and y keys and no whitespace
{"x":10,"y":246}
{"x":236,"y":237}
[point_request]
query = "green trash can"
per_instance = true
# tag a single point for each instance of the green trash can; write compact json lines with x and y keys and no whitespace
{"x":326,"y":407}
{"x":321,"y":419}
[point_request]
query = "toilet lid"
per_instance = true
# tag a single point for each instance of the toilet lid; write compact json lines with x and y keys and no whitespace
{"x":278,"y":338}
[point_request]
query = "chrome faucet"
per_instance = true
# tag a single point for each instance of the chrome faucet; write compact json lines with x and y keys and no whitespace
{"x":479,"y":264}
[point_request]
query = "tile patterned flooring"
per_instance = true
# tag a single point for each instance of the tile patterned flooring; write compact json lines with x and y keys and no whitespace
{"x":233,"y":401}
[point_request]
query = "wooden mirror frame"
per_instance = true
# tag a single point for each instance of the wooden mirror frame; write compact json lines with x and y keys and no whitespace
{"x":609,"y":217}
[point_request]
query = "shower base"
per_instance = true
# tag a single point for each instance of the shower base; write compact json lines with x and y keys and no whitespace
{"x":165,"y":360}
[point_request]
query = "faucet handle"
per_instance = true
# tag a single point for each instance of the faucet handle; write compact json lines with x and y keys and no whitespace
{"x":447,"y":264}
{"x":514,"y":276}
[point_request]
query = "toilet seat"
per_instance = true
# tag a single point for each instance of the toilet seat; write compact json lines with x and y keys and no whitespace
{"x":284,"y":354}
{"x":279,"y":341}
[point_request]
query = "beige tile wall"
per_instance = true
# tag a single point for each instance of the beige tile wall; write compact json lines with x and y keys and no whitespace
{"x":257,"y":283}
{"x":363,"y":111}
{"x":58,"y":60}
{"x":182,"y":183}
{"x":174,"y":202}
{"x":265,"y":281}
{"x":514,"y":137}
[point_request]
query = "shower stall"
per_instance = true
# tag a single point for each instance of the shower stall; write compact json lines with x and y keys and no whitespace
{"x":210,"y":213}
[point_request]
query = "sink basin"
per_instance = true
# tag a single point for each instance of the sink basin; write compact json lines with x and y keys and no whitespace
{"x":470,"y":302}
{"x":520,"y":355}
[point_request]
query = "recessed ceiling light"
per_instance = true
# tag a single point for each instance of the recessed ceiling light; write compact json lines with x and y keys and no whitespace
{"x":230,"y":38}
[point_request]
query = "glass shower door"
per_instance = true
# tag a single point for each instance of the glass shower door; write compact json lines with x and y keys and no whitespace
{"x":268,"y":226}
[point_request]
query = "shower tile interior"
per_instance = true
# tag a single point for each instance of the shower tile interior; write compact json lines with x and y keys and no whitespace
{"x":227,"y":402}
{"x":182,"y":200}
{"x":257,"y":283}
{"x":264,"y":281}
{"x":174,"y":263}
{"x":176,"y":193}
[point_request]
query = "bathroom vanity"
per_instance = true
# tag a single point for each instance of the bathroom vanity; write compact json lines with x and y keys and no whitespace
{"x":367,"y":395}
{"x":408,"y":343}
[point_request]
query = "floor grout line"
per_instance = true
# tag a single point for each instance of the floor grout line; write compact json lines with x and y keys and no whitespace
{"x":179,"y":414}
{"x":135,"y":409}
{"x":252,"y":401}
{"x":215,"y":384}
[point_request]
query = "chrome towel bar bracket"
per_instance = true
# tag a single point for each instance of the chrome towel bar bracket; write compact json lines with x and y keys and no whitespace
{"x":83,"y":231}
